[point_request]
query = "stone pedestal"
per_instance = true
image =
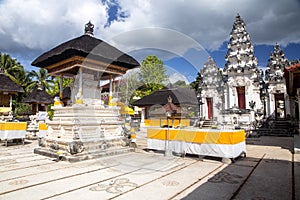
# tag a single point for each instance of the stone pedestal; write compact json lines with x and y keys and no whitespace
{"x":82,"y":132}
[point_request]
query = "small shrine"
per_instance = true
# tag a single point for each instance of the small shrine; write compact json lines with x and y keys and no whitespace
{"x":8,"y":89}
{"x":39,"y":100}
{"x":276,"y":98}
{"x":211,"y":92}
{"x":87,"y":128}
{"x":174,"y":101}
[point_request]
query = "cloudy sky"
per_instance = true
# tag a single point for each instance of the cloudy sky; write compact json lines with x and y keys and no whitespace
{"x":181,"y":32}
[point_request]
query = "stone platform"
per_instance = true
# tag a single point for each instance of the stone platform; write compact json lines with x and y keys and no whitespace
{"x":81,"y":132}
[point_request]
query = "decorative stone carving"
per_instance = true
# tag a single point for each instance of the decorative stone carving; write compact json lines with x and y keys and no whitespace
{"x":42,"y":142}
{"x":75,"y":147}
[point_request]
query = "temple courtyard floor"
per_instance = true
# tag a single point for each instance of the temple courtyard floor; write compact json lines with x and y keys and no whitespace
{"x":270,"y":171}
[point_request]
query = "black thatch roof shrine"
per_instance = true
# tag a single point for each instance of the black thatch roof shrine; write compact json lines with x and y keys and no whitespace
{"x":66,"y":94}
{"x":39,"y":96}
{"x":86,"y":46}
{"x":178,"y":95}
{"x":8,"y":85}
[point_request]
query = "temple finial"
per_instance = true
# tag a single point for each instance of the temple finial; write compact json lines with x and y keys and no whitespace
{"x":89,"y":29}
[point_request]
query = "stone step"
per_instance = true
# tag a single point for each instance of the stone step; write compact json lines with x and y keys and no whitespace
{"x":208,"y":124}
{"x":274,"y":132}
{"x":84,"y":155}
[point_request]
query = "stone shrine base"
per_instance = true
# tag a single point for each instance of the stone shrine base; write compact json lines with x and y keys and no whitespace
{"x":82,"y":132}
{"x":60,"y":156}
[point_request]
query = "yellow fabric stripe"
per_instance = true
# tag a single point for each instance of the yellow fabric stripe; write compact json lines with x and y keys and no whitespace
{"x":207,"y":137}
{"x":5,"y":109}
{"x":163,"y":122}
{"x":43,"y":127}
{"x":7,"y":126}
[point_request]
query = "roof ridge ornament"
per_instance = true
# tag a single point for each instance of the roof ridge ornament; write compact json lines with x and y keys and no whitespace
{"x":89,"y":29}
{"x":2,"y":71}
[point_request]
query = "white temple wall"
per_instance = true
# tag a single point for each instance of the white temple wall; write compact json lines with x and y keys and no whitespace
{"x":251,"y":91}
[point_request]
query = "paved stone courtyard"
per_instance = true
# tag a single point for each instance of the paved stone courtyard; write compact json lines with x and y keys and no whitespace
{"x":266,"y":173}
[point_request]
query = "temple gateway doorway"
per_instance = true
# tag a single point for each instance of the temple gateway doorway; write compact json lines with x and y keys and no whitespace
{"x":241,"y":97}
{"x":209,"y":102}
{"x":279,"y":106}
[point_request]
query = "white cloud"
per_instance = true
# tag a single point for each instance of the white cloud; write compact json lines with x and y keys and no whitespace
{"x":36,"y":25}
{"x":43,"y":24}
{"x":174,"y":77}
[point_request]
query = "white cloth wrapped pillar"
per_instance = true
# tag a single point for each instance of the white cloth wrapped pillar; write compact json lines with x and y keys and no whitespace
{"x":110,"y":90}
{"x":61,"y":87}
{"x":79,"y":94}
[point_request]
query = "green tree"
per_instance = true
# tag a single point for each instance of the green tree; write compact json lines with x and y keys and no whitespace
{"x":195,"y":84}
{"x":180,"y":83}
{"x":54,"y":89}
{"x":40,"y":78}
{"x":152,"y":75}
{"x":128,"y":86}
{"x":13,"y":69}
{"x":153,"y":71}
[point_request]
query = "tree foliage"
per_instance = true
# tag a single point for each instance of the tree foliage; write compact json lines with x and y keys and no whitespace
{"x":40,"y":78}
{"x":13,"y":69}
{"x":152,"y":76}
{"x":128,"y":86}
{"x":152,"y":71}
{"x":180,"y":83}
{"x":56,"y":82}
{"x":195,"y":84}
{"x":28,"y":80}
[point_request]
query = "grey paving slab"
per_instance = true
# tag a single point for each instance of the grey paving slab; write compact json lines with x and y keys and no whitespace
{"x":168,"y":186}
{"x":58,"y":186}
{"x":272,"y":179}
{"x":143,"y":175}
{"x":123,"y":184}
{"x":297,"y":176}
{"x":221,"y":185}
{"x":32,"y":170}
{"x":19,"y":156}
{"x":84,"y":173}
{"x":14,"y":165}
{"x":35,"y":179}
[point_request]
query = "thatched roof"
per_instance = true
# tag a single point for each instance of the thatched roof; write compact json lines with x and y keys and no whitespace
{"x":84,"y":46}
{"x":178,"y":95}
{"x":39,"y":96}
{"x":8,"y":85}
{"x":66,"y":94}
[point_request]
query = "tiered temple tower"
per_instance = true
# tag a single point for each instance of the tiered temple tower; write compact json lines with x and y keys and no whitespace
{"x":241,"y":68}
{"x":242,"y":88}
{"x":277,"y":98}
{"x":212,"y":93}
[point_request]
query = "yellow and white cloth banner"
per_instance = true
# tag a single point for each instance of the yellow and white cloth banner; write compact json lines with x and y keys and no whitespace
{"x":218,"y":143}
{"x":12,"y":130}
{"x":42,"y":130}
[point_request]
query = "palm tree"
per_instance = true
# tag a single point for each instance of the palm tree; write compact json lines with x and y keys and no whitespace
{"x":13,"y":69}
{"x":40,"y":78}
